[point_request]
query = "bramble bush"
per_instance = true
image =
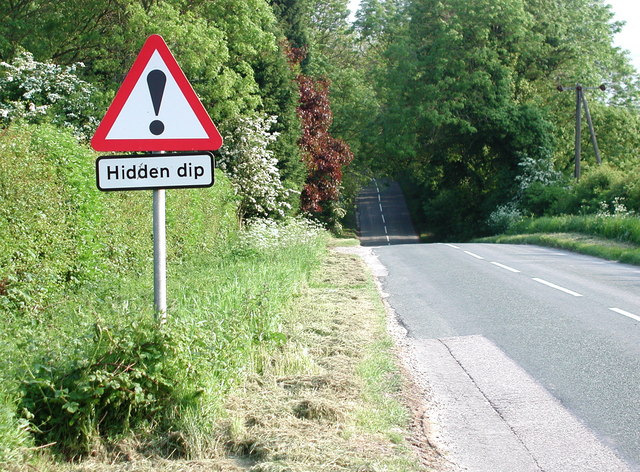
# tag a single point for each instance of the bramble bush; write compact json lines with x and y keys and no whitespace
{"x":123,"y":381}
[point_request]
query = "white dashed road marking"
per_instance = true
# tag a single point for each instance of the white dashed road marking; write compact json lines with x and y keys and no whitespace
{"x":625,"y":313}
{"x":557,"y":287}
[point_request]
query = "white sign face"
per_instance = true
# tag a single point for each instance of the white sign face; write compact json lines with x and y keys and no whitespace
{"x":154,"y":172}
{"x":174,"y":112}
{"x":156,"y":108}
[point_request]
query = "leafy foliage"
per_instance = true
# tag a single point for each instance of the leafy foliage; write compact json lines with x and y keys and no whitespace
{"x":325,"y":156}
{"x":253,"y":169}
{"x":33,"y":90}
{"x":124,"y":380}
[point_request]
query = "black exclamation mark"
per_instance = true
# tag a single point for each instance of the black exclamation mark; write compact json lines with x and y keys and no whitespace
{"x":156,"y":81}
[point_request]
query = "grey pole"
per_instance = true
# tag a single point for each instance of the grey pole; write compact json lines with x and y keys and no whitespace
{"x":581,"y":100}
{"x":159,"y":256}
{"x":594,"y":141}
{"x":578,"y":130}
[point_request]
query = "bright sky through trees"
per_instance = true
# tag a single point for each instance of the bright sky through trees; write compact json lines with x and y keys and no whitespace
{"x":625,"y":10}
{"x":629,"y":37}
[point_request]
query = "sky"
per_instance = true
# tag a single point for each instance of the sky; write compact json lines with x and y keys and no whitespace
{"x":624,"y":10}
{"x":629,"y":37}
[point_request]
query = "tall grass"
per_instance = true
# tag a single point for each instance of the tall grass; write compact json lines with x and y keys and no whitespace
{"x":619,"y":228}
{"x":81,"y":362}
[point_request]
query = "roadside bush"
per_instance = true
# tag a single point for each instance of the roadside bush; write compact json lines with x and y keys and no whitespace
{"x":602,"y":184}
{"x":601,"y":188}
{"x":538,"y":170}
{"x":541,"y":199}
{"x":122,"y":381}
{"x":446,"y":221}
{"x":503,"y":217}
{"x":633,"y":194}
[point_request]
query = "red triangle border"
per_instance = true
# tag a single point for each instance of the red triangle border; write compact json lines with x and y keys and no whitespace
{"x":99,"y":142}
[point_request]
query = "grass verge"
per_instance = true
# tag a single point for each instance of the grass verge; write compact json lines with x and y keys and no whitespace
{"x":581,"y":243}
{"x":329,"y":401}
{"x":326,"y":398}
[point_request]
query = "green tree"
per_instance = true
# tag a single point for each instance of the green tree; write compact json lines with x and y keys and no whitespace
{"x":292,"y":16}
{"x":467,"y":91}
{"x":453,"y":114}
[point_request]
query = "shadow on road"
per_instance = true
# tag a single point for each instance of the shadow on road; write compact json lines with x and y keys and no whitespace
{"x":383,"y":216}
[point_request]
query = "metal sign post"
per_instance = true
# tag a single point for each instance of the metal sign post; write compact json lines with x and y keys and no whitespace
{"x":160,"y":255}
{"x":156,"y":108}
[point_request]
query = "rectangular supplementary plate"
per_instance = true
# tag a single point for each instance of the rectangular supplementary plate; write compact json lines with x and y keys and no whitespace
{"x":148,"y":172}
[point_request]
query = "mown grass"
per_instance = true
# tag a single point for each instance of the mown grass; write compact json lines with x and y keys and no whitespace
{"x":325,"y":397}
{"x":331,"y":398}
{"x":611,"y":237}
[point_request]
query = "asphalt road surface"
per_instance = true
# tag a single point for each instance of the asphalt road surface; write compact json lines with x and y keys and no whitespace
{"x":565,"y":327}
{"x":383,"y":218}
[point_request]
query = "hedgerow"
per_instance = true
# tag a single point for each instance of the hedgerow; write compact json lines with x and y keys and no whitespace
{"x":83,"y":366}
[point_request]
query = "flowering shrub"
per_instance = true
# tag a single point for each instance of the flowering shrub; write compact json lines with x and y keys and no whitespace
{"x":503,"y":217}
{"x":263,"y":234}
{"x":536,"y":171}
{"x":33,"y":90}
{"x":253,"y":168}
{"x":615,"y":208}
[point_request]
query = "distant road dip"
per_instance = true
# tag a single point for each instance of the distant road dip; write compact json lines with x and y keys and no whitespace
{"x":154,"y":172}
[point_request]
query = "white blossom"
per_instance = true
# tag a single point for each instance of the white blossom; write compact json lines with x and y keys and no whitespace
{"x":30,"y":89}
{"x":263,"y":233}
{"x":253,"y":167}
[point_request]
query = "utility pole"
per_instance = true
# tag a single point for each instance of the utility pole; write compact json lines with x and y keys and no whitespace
{"x":581,"y":101}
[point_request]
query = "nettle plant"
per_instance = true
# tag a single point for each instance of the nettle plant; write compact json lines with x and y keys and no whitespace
{"x":253,"y":167}
{"x":34,"y":91}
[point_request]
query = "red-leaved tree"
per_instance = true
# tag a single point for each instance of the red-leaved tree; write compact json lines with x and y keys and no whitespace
{"x":324,"y":155}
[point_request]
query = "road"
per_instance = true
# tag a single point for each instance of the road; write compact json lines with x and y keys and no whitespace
{"x":568,"y":323}
{"x":383,"y":217}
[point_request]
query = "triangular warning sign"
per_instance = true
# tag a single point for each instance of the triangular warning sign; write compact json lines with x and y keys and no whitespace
{"x":156,"y":109}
